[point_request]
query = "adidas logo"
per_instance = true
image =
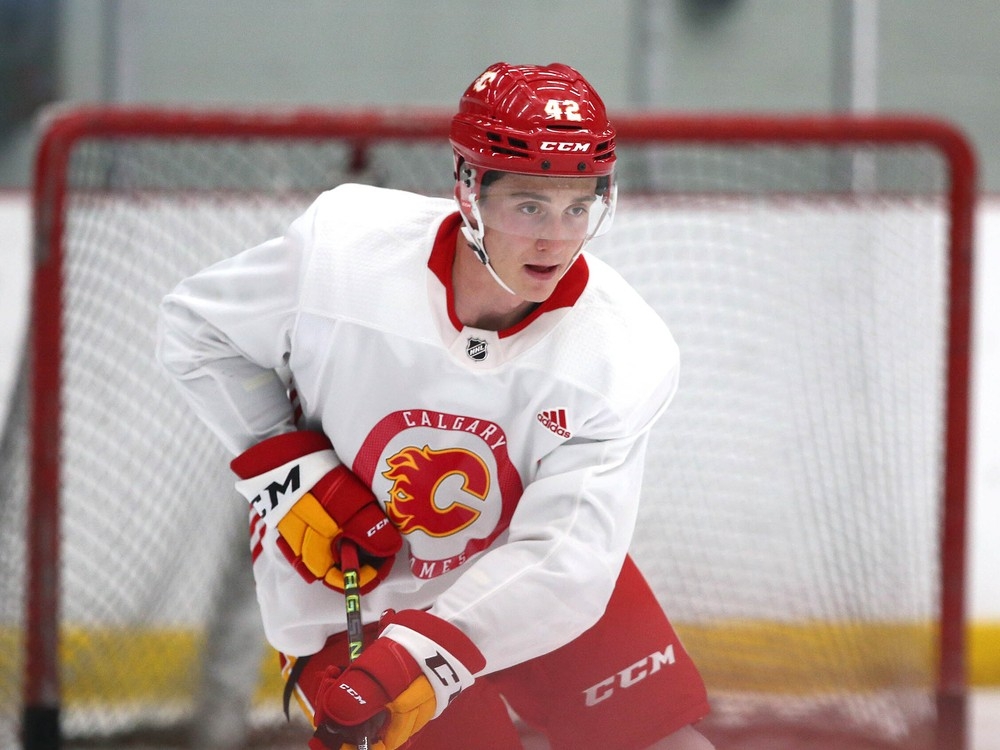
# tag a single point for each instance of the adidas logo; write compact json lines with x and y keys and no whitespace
{"x":555,"y":420}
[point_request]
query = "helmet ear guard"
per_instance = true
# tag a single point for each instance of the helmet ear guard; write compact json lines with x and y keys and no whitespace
{"x":467,"y":187}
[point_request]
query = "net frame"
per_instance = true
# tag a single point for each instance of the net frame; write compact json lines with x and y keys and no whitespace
{"x":65,"y":129}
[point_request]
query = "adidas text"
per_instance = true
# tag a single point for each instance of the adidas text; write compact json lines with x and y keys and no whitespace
{"x":549,"y":421}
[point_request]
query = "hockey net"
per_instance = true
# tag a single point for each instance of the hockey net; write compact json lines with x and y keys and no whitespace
{"x":803,"y":518}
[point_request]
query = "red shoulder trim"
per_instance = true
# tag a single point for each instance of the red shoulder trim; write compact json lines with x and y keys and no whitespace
{"x":567,"y":292}
{"x":442,"y":258}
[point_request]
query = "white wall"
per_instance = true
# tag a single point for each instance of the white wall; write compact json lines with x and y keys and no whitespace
{"x":15,"y":261}
{"x":984,"y":598}
{"x":985,"y":470}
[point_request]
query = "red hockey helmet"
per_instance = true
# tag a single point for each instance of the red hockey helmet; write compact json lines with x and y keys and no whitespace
{"x":534,"y":119}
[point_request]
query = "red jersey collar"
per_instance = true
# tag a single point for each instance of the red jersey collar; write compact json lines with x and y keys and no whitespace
{"x":566,"y":293}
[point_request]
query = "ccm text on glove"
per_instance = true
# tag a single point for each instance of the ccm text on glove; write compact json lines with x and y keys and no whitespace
{"x":298,"y":486}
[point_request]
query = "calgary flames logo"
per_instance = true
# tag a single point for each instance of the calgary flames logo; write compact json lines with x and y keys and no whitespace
{"x":423,"y":499}
{"x":461,"y":497}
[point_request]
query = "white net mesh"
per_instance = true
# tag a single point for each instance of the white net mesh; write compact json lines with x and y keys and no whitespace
{"x":793,"y":498}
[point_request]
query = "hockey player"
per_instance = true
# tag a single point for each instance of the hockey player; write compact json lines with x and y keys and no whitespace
{"x":472,"y":399}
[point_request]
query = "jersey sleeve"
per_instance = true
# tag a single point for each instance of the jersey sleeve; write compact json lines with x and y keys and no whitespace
{"x":224,"y":336}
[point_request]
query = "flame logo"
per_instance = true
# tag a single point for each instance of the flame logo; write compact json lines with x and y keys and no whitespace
{"x":418,"y":501}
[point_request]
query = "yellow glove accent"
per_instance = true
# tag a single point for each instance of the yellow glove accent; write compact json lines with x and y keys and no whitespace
{"x":309,"y":532}
{"x":408,"y":714}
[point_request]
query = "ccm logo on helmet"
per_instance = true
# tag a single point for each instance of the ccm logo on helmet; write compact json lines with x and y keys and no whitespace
{"x":574,"y":148}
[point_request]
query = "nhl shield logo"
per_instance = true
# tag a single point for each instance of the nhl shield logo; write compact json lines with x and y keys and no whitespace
{"x":476,"y":349}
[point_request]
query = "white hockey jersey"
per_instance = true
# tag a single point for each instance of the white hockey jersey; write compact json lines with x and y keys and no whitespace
{"x":510,"y":461}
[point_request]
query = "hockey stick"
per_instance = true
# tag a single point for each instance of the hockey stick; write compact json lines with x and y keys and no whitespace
{"x":352,"y":598}
{"x":350,"y":565}
{"x":352,"y":603}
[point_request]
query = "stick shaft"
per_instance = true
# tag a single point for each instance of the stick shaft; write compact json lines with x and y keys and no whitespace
{"x":352,"y":603}
{"x":352,"y":598}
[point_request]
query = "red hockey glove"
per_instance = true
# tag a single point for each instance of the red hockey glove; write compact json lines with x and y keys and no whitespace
{"x":297,"y":485}
{"x":406,"y":677}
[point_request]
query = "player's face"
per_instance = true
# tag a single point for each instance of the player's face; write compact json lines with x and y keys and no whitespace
{"x":533,"y":228}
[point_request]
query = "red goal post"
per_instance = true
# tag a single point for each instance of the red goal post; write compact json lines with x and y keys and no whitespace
{"x":751,"y":198}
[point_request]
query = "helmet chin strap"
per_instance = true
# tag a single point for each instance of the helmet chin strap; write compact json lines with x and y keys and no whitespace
{"x":474,"y":237}
{"x":476,"y":245}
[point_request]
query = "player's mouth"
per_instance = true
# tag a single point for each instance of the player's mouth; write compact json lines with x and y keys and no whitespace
{"x":540,"y":272}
